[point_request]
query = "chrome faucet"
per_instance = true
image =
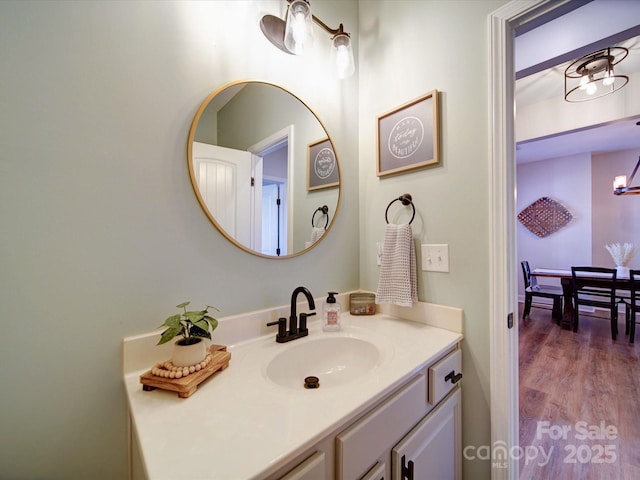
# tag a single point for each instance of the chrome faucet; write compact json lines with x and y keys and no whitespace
{"x":295,"y":330}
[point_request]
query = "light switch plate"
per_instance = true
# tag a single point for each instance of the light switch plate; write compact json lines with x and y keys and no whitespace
{"x":435,"y":257}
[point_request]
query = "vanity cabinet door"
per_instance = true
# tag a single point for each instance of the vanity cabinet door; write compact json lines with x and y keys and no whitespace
{"x":311,"y":469}
{"x":433,"y":449}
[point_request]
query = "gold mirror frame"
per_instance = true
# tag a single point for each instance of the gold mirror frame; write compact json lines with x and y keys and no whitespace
{"x":309,"y":191}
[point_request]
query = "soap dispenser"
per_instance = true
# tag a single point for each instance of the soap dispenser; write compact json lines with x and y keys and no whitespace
{"x":331,"y":314}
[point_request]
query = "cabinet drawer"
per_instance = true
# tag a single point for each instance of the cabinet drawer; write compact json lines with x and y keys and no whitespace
{"x":441,"y":380}
{"x":362,"y":444}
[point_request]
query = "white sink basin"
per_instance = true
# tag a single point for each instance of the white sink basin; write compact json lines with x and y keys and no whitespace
{"x":334,"y":360}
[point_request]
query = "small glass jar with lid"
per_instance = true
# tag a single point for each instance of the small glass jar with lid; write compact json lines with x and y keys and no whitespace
{"x":362,"y":303}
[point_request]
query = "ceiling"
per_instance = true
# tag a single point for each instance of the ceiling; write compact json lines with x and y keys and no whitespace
{"x":621,"y":135}
{"x":543,"y":54}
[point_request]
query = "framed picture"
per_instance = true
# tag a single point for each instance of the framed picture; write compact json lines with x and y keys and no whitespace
{"x":322,"y":166}
{"x":408,"y":137}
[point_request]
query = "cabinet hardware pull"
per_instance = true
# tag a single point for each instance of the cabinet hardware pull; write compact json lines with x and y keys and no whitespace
{"x":406,"y":470}
{"x":455,"y":378}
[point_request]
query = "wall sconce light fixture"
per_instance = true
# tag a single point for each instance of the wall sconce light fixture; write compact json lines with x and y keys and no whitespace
{"x":592,"y":76}
{"x":296,"y":35}
{"x":620,"y":184}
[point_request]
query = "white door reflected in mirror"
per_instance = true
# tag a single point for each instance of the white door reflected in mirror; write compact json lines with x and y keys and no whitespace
{"x":224,"y":177}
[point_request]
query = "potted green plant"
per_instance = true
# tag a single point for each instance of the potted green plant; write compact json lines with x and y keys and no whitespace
{"x":193,"y":327}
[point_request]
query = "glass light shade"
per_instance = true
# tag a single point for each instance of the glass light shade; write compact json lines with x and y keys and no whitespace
{"x":591,"y":88}
{"x":342,"y":54}
{"x":620,"y":181}
{"x":609,"y":78}
{"x":298,"y":34}
{"x":584,"y":81}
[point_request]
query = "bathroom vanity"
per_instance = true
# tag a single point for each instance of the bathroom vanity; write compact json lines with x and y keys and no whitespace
{"x":387,"y":407}
{"x":405,"y":436}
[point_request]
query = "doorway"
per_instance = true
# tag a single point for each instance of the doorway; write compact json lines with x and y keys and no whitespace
{"x":504,"y":267}
{"x":277,"y":186}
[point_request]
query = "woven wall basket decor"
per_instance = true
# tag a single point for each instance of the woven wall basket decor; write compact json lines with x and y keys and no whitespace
{"x":544,"y":217}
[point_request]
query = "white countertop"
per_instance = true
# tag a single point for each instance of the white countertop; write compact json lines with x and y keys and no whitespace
{"x":241,"y":425}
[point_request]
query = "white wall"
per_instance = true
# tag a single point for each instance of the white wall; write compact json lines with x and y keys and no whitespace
{"x":554,"y":115}
{"x":616,"y":219}
{"x":101,"y":234}
{"x":566,"y":180}
{"x":407,"y":49}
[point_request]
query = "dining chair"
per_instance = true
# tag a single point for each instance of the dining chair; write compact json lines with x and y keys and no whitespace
{"x":634,"y":307}
{"x":532,"y":289}
{"x":595,"y":292}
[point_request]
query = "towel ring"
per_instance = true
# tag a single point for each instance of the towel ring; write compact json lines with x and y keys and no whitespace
{"x":406,"y":200}
{"x":325,"y":210}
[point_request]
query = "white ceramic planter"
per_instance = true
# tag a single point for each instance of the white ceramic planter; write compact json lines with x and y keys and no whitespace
{"x":187,"y":355}
{"x":622,"y":271}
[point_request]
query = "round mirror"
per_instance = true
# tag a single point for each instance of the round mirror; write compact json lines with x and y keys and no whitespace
{"x":264,"y":169}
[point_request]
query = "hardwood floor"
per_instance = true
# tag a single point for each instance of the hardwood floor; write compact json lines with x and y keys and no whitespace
{"x":567,"y":378}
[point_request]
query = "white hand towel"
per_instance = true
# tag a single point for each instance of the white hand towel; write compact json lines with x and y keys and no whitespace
{"x":397,"y":284}
{"x":316,"y":234}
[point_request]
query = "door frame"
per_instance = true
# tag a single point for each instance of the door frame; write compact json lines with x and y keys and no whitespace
{"x":503,"y":256}
{"x":284,"y":232}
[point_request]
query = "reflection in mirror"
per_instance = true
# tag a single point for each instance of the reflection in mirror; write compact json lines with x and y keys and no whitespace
{"x":257,"y":171}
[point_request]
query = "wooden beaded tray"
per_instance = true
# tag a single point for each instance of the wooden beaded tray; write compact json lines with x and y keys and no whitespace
{"x":186,"y":386}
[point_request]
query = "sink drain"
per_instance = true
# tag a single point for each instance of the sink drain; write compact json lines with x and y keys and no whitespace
{"x":312,"y":382}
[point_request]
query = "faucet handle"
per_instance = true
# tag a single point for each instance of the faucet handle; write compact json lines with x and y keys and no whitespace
{"x":303,"y":320}
{"x":282,"y":326}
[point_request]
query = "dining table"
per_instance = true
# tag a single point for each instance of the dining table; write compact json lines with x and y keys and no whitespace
{"x":566,"y":281}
